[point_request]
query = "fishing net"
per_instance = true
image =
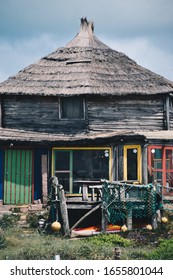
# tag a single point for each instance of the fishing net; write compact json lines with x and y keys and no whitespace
{"x":121,"y":199}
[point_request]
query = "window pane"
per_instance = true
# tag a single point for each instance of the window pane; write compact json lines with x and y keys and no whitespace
{"x":132,"y":164}
{"x":64,"y":180}
{"x":169,"y":159}
{"x":157,"y":175}
{"x":156,"y":158}
{"x":72,"y":108}
{"x":91,"y":164}
{"x":169,"y":181}
{"x":62,"y":160}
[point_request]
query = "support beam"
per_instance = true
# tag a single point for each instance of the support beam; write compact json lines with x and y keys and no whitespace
{"x":85,"y":216}
{"x":144,"y":165}
{"x":129,"y":219}
{"x":44,"y":178}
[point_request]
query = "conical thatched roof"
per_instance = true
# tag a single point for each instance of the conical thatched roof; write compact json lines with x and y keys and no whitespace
{"x":85,"y":66}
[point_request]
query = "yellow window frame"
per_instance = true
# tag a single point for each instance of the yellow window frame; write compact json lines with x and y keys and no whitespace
{"x":139,"y":164}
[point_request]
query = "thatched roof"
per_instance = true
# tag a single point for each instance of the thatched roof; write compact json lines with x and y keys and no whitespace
{"x":85,"y":66}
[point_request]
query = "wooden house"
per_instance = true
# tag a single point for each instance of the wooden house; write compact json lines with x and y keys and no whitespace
{"x":83,"y":113}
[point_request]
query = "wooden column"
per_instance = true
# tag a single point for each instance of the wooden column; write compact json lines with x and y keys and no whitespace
{"x":145,"y":165}
{"x":154,"y":221}
{"x":44,"y":178}
{"x":167,"y":113}
{"x":166,"y":120}
{"x":129,"y":218}
{"x":64,"y":211}
{"x":120,"y":163}
{"x":85,"y":192}
{"x":104,"y":218}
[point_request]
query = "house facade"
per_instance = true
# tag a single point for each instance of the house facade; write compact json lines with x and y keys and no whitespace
{"x":84,"y":112}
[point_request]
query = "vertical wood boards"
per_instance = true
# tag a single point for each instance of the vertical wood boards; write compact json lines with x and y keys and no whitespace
{"x":18,"y":177}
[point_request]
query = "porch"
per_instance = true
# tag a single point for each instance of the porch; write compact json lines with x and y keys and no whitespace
{"x":119,"y":203}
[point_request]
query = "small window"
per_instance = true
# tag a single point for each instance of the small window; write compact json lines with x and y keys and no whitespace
{"x":132,"y":163}
{"x":72,"y":108}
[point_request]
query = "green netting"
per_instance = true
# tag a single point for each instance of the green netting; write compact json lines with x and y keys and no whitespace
{"x":121,"y":199}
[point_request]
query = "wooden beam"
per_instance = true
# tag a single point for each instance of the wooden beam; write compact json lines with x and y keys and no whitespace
{"x":44,"y":178}
{"x":167,"y":113}
{"x":144,"y":165}
{"x":86,"y":215}
{"x":63,"y":209}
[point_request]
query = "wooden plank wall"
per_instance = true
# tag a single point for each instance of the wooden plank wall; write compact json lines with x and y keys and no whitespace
{"x":103,"y":113}
{"x":1,"y":174}
{"x":0,"y":113}
{"x":171,"y":113}
{"x":36,"y":114}
{"x":137,"y":113}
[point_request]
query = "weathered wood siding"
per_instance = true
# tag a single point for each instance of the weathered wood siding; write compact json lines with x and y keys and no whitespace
{"x":103,"y":113}
{"x":125,"y":113}
{"x":36,"y":114}
{"x":0,"y":113}
{"x":171,"y":113}
{"x":1,"y":174}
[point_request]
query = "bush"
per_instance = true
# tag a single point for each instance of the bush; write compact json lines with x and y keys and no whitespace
{"x":110,"y":239}
{"x":32,"y":220}
{"x":8,"y":221}
{"x":2,"y":241}
{"x":163,"y":252}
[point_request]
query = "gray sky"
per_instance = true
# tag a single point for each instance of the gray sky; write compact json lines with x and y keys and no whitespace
{"x":31,"y":29}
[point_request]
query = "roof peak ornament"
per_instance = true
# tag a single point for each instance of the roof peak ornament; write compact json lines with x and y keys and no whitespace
{"x":86,"y":26}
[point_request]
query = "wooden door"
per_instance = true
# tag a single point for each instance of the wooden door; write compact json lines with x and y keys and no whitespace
{"x":18,"y":177}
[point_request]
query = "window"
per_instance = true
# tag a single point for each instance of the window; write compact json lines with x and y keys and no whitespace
{"x":132,"y":163}
{"x":160,"y":163}
{"x":72,"y":108}
{"x":71,"y":165}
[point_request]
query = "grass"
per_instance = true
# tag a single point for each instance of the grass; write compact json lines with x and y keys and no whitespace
{"x":19,"y":244}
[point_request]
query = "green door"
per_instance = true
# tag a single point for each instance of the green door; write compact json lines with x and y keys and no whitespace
{"x":18,"y":177}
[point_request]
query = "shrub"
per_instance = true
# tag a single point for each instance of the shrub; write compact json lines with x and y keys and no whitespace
{"x":109,"y":239}
{"x":2,"y":241}
{"x":163,"y":252}
{"x":32,"y":220}
{"x":8,"y":221}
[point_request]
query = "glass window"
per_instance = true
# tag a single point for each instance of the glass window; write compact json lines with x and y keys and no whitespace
{"x":90,"y":164}
{"x":72,"y":108}
{"x":160,"y":161}
{"x":132,"y":164}
{"x":169,"y":159}
{"x":156,"y":158}
{"x":83,"y":164}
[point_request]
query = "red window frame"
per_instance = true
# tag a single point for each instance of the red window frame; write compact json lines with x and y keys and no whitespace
{"x":164,"y":170}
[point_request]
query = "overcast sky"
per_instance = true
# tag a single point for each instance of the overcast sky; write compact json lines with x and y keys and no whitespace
{"x":31,"y":29}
